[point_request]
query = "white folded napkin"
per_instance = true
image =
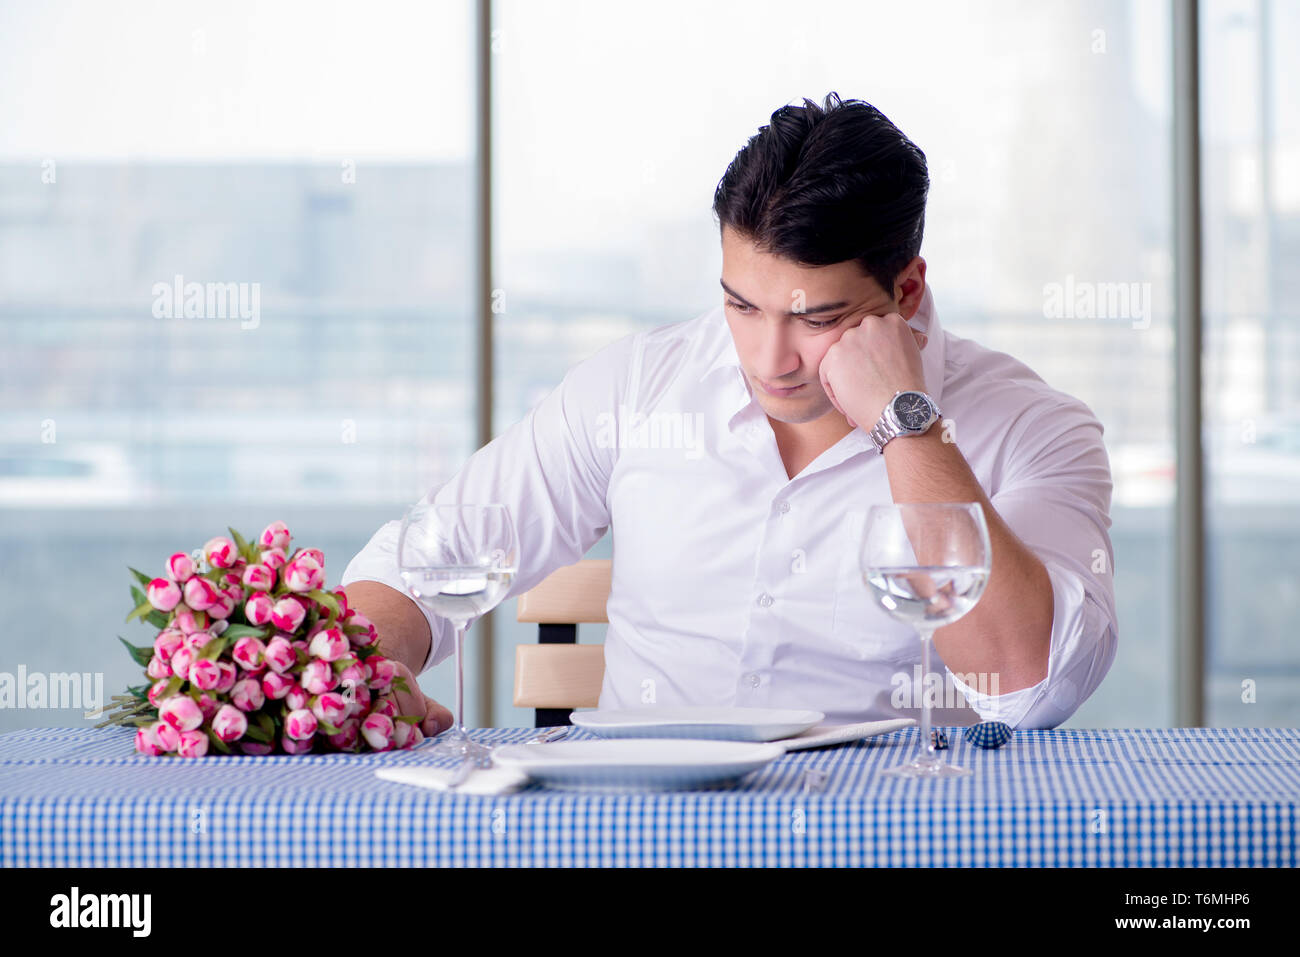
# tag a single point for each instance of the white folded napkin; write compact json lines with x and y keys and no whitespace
{"x":826,"y":734}
{"x":491,"y":780}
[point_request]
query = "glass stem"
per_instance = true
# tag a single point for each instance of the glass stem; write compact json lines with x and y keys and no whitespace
{"x":929,"y":755}
{"x":459,"y":727}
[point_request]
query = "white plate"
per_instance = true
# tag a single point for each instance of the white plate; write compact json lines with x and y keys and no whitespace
{"x":636,"y":764}
{"x":828,"y":734}
{"x":730,"y":724}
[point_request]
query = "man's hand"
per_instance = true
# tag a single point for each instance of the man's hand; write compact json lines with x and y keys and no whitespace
{"x":433,"y":716}
{"x":403,"y":637}
{"x":871,"y":362}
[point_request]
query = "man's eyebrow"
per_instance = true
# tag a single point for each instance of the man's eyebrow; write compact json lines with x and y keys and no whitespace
{"x":810,"y":311}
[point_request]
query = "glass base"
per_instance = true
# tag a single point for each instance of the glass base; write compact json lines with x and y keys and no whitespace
{"x":920,"y":769}
{"x":454,"y":743}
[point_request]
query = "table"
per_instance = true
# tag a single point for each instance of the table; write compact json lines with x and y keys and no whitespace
{"x":1176,"y":797}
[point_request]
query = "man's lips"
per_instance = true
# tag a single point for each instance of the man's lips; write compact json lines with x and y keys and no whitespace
{"x":774,"y":390}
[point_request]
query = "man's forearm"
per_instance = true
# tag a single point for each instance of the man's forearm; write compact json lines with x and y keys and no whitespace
{"x":403,"y":629}
{"x":1008,"y":633}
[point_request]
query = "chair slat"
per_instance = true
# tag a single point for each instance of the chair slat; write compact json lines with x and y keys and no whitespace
{"x":571,"y":595}
{"x":558,"y":676}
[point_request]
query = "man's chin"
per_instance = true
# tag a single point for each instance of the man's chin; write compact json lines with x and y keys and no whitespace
{"x":795,"y":412}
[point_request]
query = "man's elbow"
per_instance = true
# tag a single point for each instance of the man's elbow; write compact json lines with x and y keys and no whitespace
{"x":1064,"y":694}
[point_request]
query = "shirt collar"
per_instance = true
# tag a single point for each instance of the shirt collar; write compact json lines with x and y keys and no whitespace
{"x":925,"y":320}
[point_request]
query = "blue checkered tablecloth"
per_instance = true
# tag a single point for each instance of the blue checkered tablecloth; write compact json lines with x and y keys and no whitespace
{"x":1149,"y":798}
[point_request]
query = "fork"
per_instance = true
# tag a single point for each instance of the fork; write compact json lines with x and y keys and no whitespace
{"x":463,"y":772}
{"x":470,"y":763}
{"x":551,"y":734}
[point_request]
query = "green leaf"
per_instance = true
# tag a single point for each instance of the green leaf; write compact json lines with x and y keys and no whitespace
{"x":327,"y":727}
{"x":250,"y":552}
{"x":257,"y":734}
{"x":217,"y":742}
{"x":156,"y":618}
{"x":172,"y":687}
{"x":235,"y":632}
{"x":141,"y":577}
{"x":212,"y":650}
{"x":140,"y":611}
{"x":326,"y":599}
{"x":400,"y":683}
{"x":408,"y":718}
{"x":141,"y":655}
{"x":238,"y":539}
{"x":138,"y":596}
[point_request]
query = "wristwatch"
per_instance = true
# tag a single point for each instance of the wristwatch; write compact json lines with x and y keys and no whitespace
{"x":908,"y":413}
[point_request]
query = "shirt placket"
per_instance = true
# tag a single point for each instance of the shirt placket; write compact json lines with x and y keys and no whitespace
{"x":776,"y":566}
{"x":773,"y":586}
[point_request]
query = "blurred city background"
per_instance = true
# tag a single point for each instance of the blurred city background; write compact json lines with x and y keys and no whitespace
{"x":325,"y":153}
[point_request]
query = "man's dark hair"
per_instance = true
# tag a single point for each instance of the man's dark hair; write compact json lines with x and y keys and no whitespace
{"x":825,"y":184}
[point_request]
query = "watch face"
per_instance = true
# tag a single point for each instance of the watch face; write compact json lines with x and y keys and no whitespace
{"x":912,"y":410}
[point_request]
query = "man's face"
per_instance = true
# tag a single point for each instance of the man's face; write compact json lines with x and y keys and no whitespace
{"x":780,"y":346}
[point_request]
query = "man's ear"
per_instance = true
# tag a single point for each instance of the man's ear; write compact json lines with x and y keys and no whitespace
{"x":909,"y":287}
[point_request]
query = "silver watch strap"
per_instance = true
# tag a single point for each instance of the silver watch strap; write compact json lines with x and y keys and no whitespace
{"x":881,"y":433}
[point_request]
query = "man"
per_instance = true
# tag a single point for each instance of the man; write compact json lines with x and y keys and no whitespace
{"x":734,"y":457}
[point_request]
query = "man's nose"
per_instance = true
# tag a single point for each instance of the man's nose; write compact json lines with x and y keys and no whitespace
{"x":777,"y":355}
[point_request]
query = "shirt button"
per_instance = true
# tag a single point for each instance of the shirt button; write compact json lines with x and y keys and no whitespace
{"x":764,"y":600}
{"x":754,"y":680}
{"x":783,"y":507}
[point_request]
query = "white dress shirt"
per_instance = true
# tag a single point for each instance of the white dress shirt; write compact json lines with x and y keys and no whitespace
{"x":734,"y":584}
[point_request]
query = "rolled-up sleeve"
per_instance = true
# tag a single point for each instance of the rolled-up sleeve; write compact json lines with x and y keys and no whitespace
{"x":551,"y":469}
{"x":1056,"y":499}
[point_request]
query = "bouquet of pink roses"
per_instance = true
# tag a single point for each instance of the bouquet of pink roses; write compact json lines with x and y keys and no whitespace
{"x":254,"y":654}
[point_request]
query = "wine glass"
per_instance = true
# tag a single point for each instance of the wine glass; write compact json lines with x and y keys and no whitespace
{"x":926,"y":564}
{"x":459,"y":561}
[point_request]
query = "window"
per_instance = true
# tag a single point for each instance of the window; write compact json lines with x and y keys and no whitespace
{"x":310,"y":168}
{"x":1251,"y":174}
{"x":295,"y":168}
{"x":604,"y":222}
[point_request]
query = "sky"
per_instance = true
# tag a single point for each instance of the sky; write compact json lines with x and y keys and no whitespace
{"x":392,"y":78}
{"x":284,"y":79}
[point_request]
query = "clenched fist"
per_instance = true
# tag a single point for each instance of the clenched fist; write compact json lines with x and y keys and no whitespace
{"x":869,"y":363}
{"x":433,"y":716}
